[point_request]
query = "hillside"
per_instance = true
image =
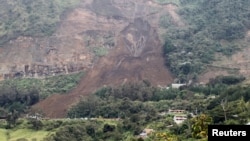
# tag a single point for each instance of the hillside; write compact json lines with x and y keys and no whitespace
{"x":136,"y":56}
{"x":131,"y":70}
{"x":115,"y":42}
{"x":112,"y":41}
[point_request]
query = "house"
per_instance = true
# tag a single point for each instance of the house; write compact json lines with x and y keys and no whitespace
{"x":34,"y":116}
{"x":177,"y":85}
{"x":163,"y":87}
{"x":179,"y":115}
{"x":178,"y":119}
{"x":170,"y":111}
{"x":211,"y":97}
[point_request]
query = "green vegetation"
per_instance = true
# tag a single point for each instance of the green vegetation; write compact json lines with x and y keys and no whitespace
{"x":3,"y":136}
{"x":211,"y":27}
{"x":17,"y":95}
{"x":27,"y":134}
{"x":200,"y":126}
{"x":45,"y":86}
{"x":137,"y":106}
{"x":100,"y":51}
{"x":23,"y":130}
{"x":121,"y":113}
{"x":30,"y":18}
{"x":100,"y":43}
{"x":59,"y":84}
{"x":105,"y":8}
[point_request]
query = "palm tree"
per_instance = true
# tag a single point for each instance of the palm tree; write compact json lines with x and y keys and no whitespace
{"x":200,"y":126}
{"x":242,"y":105}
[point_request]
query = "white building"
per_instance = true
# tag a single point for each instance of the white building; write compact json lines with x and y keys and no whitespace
{"x":178,"y":111}
{"x":176,"y":85}
{"x":178,"y":119}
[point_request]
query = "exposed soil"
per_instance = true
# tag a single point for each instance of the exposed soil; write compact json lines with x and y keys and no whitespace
{"x":109,"y":71}
{"x":136,"y":56}
{"x":129,"y":30}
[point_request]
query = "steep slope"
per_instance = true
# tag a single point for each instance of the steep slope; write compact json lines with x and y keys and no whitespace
{"x":237,"y":64}
{"x":136,"y":55}
{"x":82,"y":34}
{"x":119,"y":41}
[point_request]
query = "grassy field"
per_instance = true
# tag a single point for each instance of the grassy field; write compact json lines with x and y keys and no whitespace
{"x":24,"y":132}
{"x":28,"y":134}
{"x":3,"y":136}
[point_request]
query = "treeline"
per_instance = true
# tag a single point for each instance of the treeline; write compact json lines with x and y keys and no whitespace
{"x":131,"y":98}
{"x":132,"y":104}
{"x":17,"y":95}
{"x":142,"y":91}
{"x":232,"y":105}
{"x":138,"y":105}
{"x":12,"y":98}
{"x":125,"y":100}
{"x":121,"y":113}
{"x":190,"y":48}
{"x":86,"y":130}
{"x":217,"y":85}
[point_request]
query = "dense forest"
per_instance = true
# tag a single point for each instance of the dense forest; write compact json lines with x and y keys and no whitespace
{"x":212,"y":27}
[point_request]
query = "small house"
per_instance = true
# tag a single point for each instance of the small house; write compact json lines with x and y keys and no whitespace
{"x":178,"y":119}
{"x":177,"y":85}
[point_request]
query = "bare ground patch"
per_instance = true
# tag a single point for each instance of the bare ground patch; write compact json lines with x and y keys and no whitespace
{"x":136,"y":57}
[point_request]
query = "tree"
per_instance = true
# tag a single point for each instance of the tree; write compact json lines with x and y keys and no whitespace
{"x":90,"y":130}
{"x":243,"y":113}
{"x":108,"y":128}
{"x":165,"y":136}
{"x":34,"y":119}
{"x":242,"y":105}
{"x":36,"y":123}
{"x":12,"y":117}
{"x":3,"y":113}
{"x":200,"y":126}
{"x":224,"y":106}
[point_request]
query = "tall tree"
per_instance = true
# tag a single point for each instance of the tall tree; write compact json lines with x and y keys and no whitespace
{"x":224,"y":106}
{"x":11,"y":119}
{"x":200,"y":126}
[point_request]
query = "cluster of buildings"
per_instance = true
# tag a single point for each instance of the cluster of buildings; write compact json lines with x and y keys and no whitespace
{"x":179,"y":116}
